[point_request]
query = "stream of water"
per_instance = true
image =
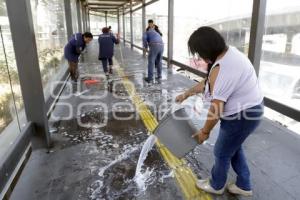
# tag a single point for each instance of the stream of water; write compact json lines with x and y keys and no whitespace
{"x":141,"y":177}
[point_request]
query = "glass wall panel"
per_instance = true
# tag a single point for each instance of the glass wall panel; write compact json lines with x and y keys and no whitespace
{"x":51,"y":36}
{"x":280,"y":62}
{"x":127,"y":27}
{"x":12,"y":117}
{"x":121,"y":24}
{"x":232,"y":18}
{"x":97,"y":23}
{"x":159,"y":13}
{"x":113,"y":22}
{"x":74,"y":16}
{"x":137,"y":28}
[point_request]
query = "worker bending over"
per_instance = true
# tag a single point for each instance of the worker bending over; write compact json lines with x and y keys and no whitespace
{"x":73,"y":49}
{"x":153,"y":40}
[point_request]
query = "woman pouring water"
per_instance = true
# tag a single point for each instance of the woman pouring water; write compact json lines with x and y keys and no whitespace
{"x":236,"y":101}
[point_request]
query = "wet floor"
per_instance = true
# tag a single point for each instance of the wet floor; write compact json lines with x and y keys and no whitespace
{"x":98,"y":136}
{"x":88,"y":113}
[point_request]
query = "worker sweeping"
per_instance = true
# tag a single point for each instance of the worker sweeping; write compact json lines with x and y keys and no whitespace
{"x":73,"y":49}
{"x":236,"y":100}
{"x":106,"y":49}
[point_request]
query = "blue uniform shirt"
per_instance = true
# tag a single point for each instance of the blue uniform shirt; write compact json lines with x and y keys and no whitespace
{"x":106,"y":45}
{"x":151,"y":36}
{"x":74,"y":47}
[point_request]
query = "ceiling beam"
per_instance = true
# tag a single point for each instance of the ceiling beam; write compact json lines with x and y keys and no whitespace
{"x":103,"y":9}
{"x":113,"y":1}
{"x":104,"y":6}
{"x":106,"y":3}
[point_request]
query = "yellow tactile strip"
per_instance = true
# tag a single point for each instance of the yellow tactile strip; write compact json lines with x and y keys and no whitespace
{"x":184,"y":176}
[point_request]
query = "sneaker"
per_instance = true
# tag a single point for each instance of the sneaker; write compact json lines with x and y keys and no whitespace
{"x":158,"y":81}
{"x":148,"y":80}
{"x":205,"y":186}
{"x":234,"y":189}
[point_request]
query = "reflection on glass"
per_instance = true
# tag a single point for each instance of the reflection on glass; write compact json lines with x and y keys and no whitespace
{"x":121,"y":25}
{"x":158,"y":11}
{"x":12,"y":118}
{"x":113,"y":22}
{"x":137,"y":28}
{"x":97,"y":22}
{"x":280,"y":63}
{"x":232,"y":18}
{"x":50,"y":33}
{"x":127,"y":27}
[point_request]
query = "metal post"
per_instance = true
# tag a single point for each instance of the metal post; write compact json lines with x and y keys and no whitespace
{"x":124,"y":35}
{"x":88,"y":22}
{"x":144,"y":21}
{"x":170,"y":30}
{"x":79,"y":16}
{"x":22,"y":30}
{"x":83,"y":17}
{"x":131,"y":26}
{"x":105,"y":18}
{"x":257,"y":32}
{"x":118,"y":17}
{"x":68,"y":18}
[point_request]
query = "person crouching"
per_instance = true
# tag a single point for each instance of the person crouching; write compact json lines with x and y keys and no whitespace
{"x":106,"y":49}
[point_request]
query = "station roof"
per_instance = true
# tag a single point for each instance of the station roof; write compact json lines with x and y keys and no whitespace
{"x":109,"y":6}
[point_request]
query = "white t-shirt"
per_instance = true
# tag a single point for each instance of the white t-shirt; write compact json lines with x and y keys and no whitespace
{"x":236,"y":84}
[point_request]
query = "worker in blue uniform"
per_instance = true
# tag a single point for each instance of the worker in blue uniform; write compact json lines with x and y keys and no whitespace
{"x":153,"y":40}
{"x":156,"y":28}
{"x":73,"y":49}
{"x":106,"y":49}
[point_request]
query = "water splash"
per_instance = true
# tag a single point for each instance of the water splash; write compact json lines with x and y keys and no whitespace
{"x":141,"y":177}
{"x":97,"y":186}
{"x":166,"y":176}
{"x":120,"y":158}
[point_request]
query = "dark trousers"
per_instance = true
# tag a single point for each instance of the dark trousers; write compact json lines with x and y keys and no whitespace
{"x":104,"y":63}
{"x":73,"y":69}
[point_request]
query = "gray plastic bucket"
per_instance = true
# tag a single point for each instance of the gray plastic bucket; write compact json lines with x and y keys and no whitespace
{"x":175,"y":132}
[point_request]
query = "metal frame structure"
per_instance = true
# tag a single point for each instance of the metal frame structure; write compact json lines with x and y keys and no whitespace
{"x":89,"y":21}
{"x":257,"y":32}
{"x":256,"y":35}
{"x":170,"y":31}
{"x":12,"y":163}
{"x":145,"y":4}
{"x":124,"y":35}
{"x":144,"y":20}
{"x":79,"y":15}
{"x":105,"y":18}
{"x":68,"y":18}
{"x":118,"y":19}
{"x":131,"y":26}
{"x":24,"y":43}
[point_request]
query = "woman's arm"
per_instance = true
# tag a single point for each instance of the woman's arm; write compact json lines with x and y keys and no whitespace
{"x":198,"y":88}
{"x":214,"y":112}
